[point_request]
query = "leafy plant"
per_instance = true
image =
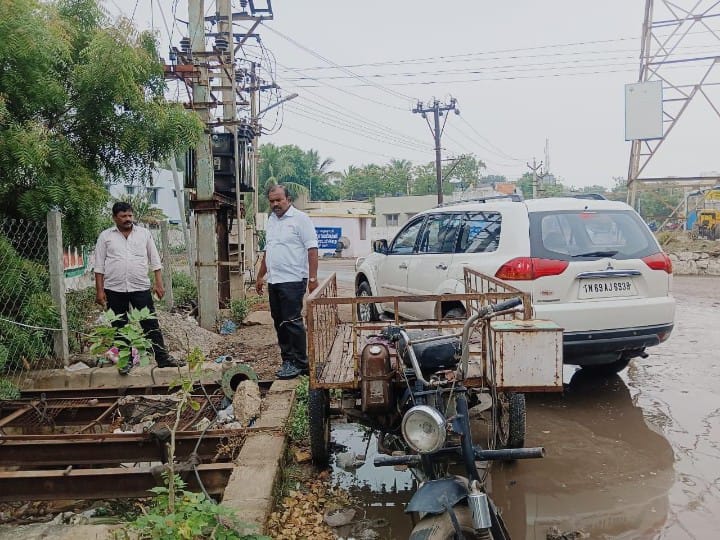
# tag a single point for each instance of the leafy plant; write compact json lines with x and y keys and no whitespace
{"x":240,"y":308}
{"x":184,"y":289}
{"x":298,"y":422}
{"x":128,"y":343}
{"x":193,"y":515}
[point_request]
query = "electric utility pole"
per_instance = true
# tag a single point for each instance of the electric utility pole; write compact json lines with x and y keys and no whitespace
{"x":205,"y":217}
{"x":437,"y":109}
{"x":535,"y":167}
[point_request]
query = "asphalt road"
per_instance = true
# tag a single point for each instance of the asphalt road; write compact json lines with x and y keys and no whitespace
{"x":632,"y":456}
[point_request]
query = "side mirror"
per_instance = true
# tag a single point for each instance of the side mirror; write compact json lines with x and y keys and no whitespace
{"x":380,"y":246}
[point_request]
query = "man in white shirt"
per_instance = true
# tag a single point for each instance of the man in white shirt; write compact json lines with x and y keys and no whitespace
{"x":290,"y":262}
{"x":122,"y":254}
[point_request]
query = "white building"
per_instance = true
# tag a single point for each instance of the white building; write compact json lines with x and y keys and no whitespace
{"x":161,"y":192}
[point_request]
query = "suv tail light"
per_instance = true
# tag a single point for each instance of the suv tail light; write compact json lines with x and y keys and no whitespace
{"x":659,"y":261}
{"x":530,"y":268}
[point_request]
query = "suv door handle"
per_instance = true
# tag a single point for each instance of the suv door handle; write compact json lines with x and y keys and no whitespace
{"x":403,"y":266}
{"x":441,"y":266}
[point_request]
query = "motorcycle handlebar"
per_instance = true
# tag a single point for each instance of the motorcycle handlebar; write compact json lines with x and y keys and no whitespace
{"x":481,"y":454}
{"x":507,"y":454}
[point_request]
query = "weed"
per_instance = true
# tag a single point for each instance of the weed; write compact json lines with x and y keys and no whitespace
{"x":298,"y":422}
{"x":8,"y":390}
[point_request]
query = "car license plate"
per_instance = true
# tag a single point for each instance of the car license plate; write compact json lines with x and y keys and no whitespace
{"x":606,"y":288}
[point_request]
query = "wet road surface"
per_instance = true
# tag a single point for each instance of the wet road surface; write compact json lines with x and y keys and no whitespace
{"x":631,"y":456}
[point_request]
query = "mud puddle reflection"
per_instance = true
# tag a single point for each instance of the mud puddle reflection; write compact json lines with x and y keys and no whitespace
{"x":606,"y":472}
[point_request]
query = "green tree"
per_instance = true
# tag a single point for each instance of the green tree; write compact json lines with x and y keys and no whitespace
{"x":81,"y":102}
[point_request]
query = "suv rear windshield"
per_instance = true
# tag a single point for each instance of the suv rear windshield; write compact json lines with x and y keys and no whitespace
{"x":577,"y":235}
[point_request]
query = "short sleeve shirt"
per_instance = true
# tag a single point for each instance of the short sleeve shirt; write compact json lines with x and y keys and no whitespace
{"x":287,"y":240}
{"x":125,"y":261}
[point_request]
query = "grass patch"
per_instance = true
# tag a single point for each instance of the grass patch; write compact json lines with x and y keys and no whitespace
{"x":298,"y":423}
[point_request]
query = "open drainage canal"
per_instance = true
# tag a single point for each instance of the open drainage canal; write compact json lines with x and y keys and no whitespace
{"x":607,"y":470}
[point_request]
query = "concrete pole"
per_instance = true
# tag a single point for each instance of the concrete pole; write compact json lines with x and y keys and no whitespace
{"x":179,"y":191}
{"x":438,"y":152}
{"x":57,"y":283}
{"x":205,"y":218}
{"x":255,"y":164}
{"x":167,"y":264}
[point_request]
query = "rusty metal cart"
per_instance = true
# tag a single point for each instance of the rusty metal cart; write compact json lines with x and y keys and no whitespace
{"x":509,"y":356}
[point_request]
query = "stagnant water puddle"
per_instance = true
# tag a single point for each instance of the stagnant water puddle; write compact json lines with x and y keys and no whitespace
{"x":606,"y":473}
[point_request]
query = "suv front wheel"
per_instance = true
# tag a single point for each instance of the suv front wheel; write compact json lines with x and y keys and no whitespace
{"x":366,"y":312}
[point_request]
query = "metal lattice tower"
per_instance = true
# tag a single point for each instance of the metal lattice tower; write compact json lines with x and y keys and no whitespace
{"x":681,"y":48}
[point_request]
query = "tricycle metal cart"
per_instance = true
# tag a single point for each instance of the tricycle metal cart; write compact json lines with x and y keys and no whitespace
{"x":511,"y":355}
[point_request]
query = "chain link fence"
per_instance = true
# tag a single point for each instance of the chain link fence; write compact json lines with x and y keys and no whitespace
{"x":27,"y":310}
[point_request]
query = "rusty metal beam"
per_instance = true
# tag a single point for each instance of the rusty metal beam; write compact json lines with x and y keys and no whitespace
{"x":28,"y":451}
{"x":111,"y":483}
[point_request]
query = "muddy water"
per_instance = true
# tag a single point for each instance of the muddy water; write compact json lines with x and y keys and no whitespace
{"x":632,"y":456}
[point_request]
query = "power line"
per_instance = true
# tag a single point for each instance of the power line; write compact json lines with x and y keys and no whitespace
{"x":338,"y":66}
{"x":508,"y":78}
{"x":432,"y":59}
{"x":564,"y":64}
{"x":336,"y":143}
{"x":359,"y":128}
{"x":499,"y":151}
{"x":347,"y":129}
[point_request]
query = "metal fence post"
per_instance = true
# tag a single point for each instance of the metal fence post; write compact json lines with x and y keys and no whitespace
{"x":167,"y":264}
{"x":57,"y":283}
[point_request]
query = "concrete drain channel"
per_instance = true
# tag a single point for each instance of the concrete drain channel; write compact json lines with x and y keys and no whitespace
{"x":65,"y":444}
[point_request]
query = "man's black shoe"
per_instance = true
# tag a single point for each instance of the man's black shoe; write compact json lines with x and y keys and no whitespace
{"x":288,"y":371}
{"x":171,"y":361}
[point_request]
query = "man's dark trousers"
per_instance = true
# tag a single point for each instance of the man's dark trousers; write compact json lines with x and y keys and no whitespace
{"x":120,"y":303}
{"x":286,"y":302}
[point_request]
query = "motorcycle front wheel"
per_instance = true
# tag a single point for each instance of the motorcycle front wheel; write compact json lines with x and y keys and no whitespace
{"x":440,"y":527}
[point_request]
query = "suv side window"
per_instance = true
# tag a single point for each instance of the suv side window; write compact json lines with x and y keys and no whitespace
{"x":480,"y":232}
{"x":440,"y":234}
{"x":404,"y":242}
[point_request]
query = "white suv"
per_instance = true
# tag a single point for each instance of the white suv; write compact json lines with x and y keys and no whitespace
{"x":593,"y":266}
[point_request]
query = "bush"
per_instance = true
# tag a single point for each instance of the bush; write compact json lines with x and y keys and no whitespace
{"x":239,"y":309}
{"x":184,"y":289}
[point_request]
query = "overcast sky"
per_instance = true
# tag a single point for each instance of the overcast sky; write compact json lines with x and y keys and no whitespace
{"x":522,"y":72}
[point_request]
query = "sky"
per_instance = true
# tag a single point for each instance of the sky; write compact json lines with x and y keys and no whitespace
{"x":522,"y":72}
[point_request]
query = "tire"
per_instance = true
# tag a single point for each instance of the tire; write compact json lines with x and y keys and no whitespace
{"x":319,"y":429}
{"x":366,"y":312}
{"x":511,"y":415}
{"x":455,"y":313}
{"x":440,"y":527}
{"x":607,"y":370}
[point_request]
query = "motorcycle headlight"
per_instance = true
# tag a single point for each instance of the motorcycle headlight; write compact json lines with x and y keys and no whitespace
{"x":423,"y":428}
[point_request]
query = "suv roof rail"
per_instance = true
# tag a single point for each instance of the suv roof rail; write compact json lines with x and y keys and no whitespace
{"x":593,"y":196}
{"x":513,"y":197}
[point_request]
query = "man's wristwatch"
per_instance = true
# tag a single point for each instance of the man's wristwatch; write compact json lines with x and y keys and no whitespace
{"x":312,"y":280}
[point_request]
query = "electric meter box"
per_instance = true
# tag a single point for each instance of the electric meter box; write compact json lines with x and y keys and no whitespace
{"x":528,"y":355}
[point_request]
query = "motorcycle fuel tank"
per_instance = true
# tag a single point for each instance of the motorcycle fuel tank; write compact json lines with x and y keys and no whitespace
{"x":375,"y":378}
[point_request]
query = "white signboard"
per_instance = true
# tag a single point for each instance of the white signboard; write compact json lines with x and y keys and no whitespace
{"x":643,"y":111}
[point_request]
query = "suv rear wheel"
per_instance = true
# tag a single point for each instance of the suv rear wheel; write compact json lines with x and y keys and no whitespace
{"x":366,"y":312}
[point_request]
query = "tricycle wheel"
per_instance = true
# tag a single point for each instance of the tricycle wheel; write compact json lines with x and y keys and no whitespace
{"x":511,"y":415}
{"x":319,"y":429}
{"x":440,"y":527}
